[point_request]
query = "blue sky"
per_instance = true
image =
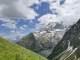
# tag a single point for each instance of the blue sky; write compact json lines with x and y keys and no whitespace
{"x":43,"y":9}
{"x":26,"y":15}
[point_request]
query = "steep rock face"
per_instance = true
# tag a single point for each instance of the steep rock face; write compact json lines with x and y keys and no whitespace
{"x":44,"y":41}
{"x":69,"y":47}
{"x":28,"y":41}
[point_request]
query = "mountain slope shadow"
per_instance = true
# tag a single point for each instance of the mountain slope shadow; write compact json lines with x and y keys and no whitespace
{"x":69,"y":47}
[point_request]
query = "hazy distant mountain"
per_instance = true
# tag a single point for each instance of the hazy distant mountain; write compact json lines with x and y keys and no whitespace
{"x":11,"y":51}
{"x":69,"y":47}
{"x":44,"y":40}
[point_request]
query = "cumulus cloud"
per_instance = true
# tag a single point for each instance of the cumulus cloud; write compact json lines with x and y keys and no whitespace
{"x":45,"y":19}
{"x":16,"y":9}
{"x":23,"y":27}
{"x":69,"y":12}
{"x":15,"y":32}
{"x":11,"y":24}
{"x":16,"y":35}
{"x":21,"y":9}
{"x":31,"y":2}
{"x":24,"y":9}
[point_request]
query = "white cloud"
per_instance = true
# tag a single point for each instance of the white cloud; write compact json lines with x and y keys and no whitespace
{"x":11,"y":24}
{"x":45,"y":19}
{"x":5,"y":20}
{"x":69,"y":12}
{"x":24,"y":9}
{"x":2,"y":7}
{"x":23,"y":27}
{"x":21,"y":9}
{"x":30,"y":2}
{"x":16,"y":34}
{"x":17,"y":9}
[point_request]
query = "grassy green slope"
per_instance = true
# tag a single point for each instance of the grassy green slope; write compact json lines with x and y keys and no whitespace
{"x":10,"y":51}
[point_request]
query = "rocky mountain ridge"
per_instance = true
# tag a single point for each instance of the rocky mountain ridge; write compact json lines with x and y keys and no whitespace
{"x":69,"y":47}
{"x":44,"y":40}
